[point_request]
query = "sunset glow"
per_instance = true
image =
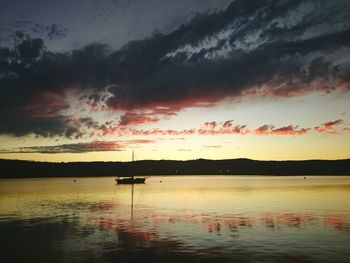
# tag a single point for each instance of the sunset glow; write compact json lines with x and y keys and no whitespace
{"x":251,"y":86}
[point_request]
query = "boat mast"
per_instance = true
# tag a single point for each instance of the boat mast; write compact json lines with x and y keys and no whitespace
{"x":132,"y":189}
{"x":133,"y":159}
{"x":132,"y":200}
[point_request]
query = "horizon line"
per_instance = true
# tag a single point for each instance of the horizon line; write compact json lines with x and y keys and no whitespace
{"x":174,"y":160}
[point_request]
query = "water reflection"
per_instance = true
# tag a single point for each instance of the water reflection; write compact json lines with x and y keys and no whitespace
{"x":190,"y":219}
{"x":338,"y":222}
{"x":225,"y":223}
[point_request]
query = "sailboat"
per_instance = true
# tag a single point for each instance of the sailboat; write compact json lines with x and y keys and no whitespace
{"x":132,"y":179}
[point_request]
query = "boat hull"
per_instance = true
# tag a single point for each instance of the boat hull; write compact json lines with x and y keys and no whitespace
{"x":131,"y":180}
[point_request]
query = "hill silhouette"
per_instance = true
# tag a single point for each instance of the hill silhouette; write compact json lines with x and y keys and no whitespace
{"x":23,"y":169}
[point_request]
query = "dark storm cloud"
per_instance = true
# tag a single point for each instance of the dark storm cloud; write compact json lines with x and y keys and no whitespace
{"x":114,"y":22}
{"x":34,"y":84}
{"x":21,"y":27}
{"x":276,"y":48}
{"x":250,"y":44}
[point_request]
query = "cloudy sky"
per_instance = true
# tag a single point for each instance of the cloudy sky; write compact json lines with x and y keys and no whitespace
{"x":91,"y":80}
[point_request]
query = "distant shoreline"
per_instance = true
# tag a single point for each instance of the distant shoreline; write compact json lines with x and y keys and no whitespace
{"x":30,"y":169}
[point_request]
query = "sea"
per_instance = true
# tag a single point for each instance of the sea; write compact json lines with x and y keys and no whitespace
{"x":176,"y":219}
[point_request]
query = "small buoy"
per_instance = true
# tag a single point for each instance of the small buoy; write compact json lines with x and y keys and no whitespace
{"x":75,"y":180}
{"x":304,"y":177}
{"x":160,"y":181}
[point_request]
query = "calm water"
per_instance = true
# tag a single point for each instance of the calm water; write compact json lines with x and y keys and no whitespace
{"x":176,"y":219}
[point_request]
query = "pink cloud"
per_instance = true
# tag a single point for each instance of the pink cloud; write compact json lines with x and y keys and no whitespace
{"x":132,"y":118}
{"x":328,"y":127}
{"x":290,"y":130}
{"x":286,"y":130}
{"x":161,"y":132}
{"x":264,"y":130}
{"x":210,"y":125}
{"x":212,"y":128}
{"x":45,"y":105}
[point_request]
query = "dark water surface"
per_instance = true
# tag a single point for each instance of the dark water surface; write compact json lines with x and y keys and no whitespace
{"x":176,"y":219}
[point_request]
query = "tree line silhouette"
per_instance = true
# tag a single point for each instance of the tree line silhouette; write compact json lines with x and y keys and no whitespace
{"x":23,"y":169}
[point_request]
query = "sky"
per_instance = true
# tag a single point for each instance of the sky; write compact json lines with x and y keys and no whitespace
{"x":92,"y":80}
